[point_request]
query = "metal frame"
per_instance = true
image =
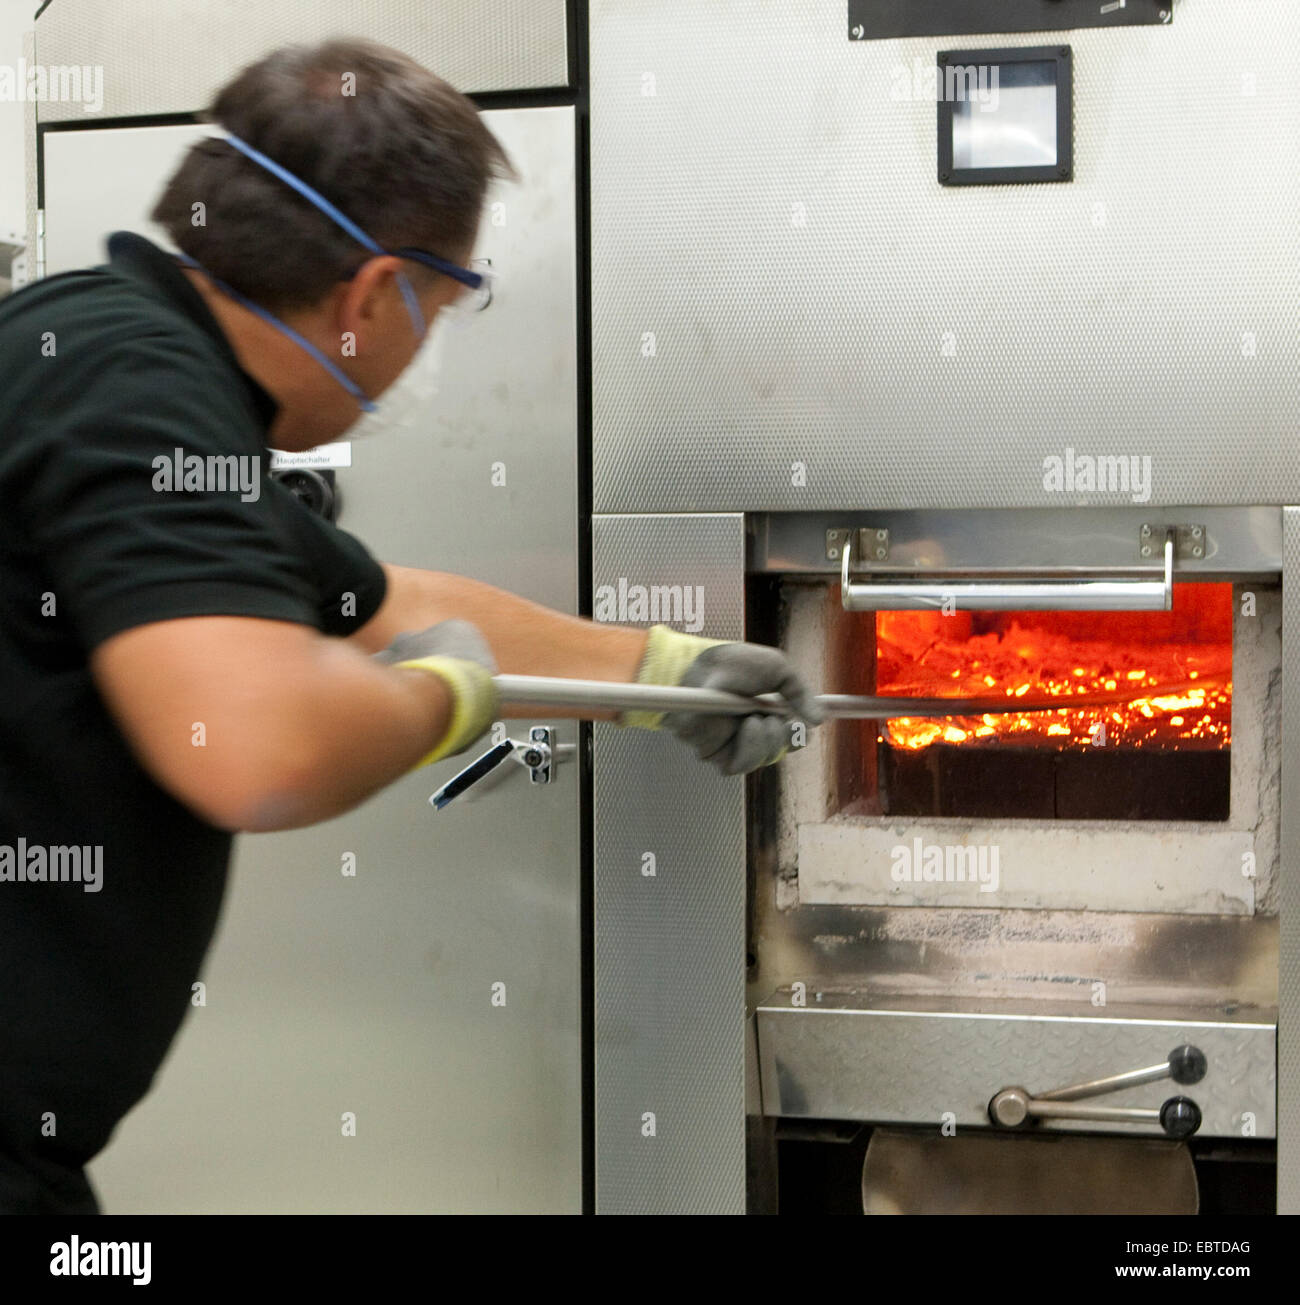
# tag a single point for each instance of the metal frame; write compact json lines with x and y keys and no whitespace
{"x":817,"y":1056}
{"x":1288,"y":1032}
{"x":752,"y":372}
{"x":1240,"y":542}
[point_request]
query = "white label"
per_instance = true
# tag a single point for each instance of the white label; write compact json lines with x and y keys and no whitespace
{"x":323,"y":455}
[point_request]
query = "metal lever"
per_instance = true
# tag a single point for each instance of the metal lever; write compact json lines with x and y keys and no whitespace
{"x":1012,"y":596}
{"x":1013,"y":1107}
{"x":537,"y":755}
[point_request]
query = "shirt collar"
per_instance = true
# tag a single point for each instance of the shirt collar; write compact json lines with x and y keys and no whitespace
{"x":159,"y":273}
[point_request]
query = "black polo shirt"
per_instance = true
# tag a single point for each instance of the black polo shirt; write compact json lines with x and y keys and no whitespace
{"x":104,"y":375}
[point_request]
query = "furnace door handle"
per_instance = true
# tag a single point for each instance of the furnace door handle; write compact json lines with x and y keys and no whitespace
{"x":1179,"y":1116}
{"x":1154,"y":595}
{"x":538,"y":755}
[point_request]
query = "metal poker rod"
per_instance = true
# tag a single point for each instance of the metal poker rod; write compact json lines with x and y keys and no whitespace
{"x":604,"y":695}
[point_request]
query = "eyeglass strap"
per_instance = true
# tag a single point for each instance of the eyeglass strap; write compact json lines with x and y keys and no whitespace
{"x":316,"y":198}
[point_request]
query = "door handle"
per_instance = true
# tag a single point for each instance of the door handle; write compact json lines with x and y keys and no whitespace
{"x":538,"y":754}
{"x":1153,"y":595}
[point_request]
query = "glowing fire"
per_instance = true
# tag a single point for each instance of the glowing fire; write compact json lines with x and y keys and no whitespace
{"x":1015,"y":654}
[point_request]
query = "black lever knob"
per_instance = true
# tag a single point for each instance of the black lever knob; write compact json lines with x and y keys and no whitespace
{"x":1187,"y":1064}
{"x":1180,"y":1117}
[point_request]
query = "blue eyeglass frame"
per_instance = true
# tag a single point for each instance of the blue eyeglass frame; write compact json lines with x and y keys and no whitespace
{"x":474,"y":280}
{"x":467,"y":277}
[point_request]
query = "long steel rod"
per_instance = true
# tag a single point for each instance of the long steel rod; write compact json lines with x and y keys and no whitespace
{"x":604,"y":695}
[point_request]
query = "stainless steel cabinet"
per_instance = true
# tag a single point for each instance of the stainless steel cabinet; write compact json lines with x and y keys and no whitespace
{"x":434,"y":995}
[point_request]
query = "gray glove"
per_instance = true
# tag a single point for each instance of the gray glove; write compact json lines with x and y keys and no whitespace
{"x":452,"y":638}
{"x":734,"y":744}
{"x":458,"y":654}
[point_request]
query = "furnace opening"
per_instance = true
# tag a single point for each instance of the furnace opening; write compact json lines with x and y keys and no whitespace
{"x":1143,"y":731}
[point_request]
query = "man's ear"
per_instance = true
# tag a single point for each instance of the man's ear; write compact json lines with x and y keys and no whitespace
{"x":368,"y":300}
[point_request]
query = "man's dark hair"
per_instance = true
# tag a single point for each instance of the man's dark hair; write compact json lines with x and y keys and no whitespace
{"x":394,"y":148}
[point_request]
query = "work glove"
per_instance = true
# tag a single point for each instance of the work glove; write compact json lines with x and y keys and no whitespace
{"x":734,"y":744}
{"x":457,"y":653}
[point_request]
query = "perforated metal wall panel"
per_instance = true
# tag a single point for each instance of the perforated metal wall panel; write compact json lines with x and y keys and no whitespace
{"x":170,"y":58}
{"x":432,"y":988}
{"x":790,"y":312}
{"x":670,"y":945}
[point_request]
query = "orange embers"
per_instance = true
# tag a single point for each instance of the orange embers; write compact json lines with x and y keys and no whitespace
{"x":1178,"y":663}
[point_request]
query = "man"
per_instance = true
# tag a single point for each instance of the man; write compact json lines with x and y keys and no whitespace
{"x":183,"y":659}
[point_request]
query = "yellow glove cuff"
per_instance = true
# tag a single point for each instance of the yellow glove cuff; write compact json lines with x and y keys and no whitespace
{"x":474,"y":701}
{"x":668,"y":656}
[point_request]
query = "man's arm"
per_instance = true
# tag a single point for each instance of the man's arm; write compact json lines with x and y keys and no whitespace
{"x":526,"y":638}
{"x":259,"y":725}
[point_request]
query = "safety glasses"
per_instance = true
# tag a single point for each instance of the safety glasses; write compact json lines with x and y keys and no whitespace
{"x":477,"y":279}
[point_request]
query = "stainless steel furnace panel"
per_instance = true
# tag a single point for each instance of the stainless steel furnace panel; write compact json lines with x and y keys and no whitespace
{"x":477,"y":45}
{"x":373,"y":993}
{"x":670,"y":912}
{"x":917,"y":1063}
{"x":790,"y":312}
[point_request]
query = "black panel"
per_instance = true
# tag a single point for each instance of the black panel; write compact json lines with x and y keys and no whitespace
{"x":876,"y":20}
